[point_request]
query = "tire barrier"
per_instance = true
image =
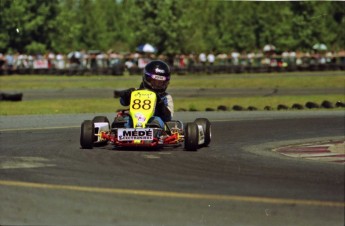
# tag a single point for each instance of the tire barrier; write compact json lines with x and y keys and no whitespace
{"x":209,"y":109}
{"x":327,"y":104}
{"x":340,"y":104}
{"x":268,"y":108}
{"x":11,"y":96}
{"x":237,"y":108}
{"x":312,"y":105}
{"x":297,"y":106}
{"x":252,"y":108}
{"x":280,"y":107}
{"x":222,"y":108}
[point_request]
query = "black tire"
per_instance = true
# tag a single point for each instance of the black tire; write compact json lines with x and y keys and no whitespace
{"x":206,"y":126}
{"x":191,"y":136}
{"x":100,"y":119}
{"x":87,"y":135}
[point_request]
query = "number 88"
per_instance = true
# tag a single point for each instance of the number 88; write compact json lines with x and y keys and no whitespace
{"x":137,"y":104}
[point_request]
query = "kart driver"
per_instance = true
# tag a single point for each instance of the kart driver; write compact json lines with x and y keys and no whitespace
{"x":156,"y":78}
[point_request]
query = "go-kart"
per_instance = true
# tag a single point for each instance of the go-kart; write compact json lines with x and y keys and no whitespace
{"x":99,"y":131}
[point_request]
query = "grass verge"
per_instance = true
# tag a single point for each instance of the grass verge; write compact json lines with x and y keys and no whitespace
{"x":74,"y":106}
{"x":333,"y":79}
{"x":297,"y":80}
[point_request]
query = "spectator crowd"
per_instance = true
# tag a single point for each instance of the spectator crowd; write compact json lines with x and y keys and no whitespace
{"x":114,"y":63}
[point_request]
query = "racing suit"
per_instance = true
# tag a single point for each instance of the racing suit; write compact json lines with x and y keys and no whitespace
{"x":164,"y":108}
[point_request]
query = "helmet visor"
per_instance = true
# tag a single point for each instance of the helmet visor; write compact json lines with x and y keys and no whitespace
{"x":157,"y":82}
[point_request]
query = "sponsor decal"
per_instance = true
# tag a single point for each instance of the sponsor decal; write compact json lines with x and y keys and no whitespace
{"x":134,"y":134}
{"x":41,"y":64}
{"x":139,"y":95}
{"x":157,"y":70}
{"x":140,"y":117}
{"x":158,"y":77}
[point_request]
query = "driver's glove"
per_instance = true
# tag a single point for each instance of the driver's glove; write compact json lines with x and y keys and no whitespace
{"x":161,"y":106}
{"x":126,"y":97}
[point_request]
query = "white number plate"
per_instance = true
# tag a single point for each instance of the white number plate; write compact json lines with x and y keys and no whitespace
{"x":127,"y":134}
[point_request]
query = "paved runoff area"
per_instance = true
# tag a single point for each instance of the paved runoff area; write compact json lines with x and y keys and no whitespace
{"x":329,"y":151}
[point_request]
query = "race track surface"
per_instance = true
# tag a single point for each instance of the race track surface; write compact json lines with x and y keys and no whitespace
{"x":46,"y":179}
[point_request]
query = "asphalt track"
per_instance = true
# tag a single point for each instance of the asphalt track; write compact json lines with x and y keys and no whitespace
{"x":46,"y":179}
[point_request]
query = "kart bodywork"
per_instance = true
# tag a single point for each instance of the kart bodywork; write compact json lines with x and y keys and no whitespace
{"x":99,"y":131}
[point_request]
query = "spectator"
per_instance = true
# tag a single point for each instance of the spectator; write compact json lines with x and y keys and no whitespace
{"x":182,"y":61}
{"x":243,"y":58}
{"x":341,"y":57}
{"x":59,"y":61}
{"x":129,"y":62}
{"x":258,"y":58}
{"x":31,"y":59}
{"x":51,"y":60}
{"x":22,"y":62}
{"x":235,"y":57}
{"x":202,"y":59}
{"x":307,"y":58}
{"x":286,"y":58}
{"x":222,"y":58}
{"x":73,"y":59}
{"x":330,"y":57}
{"x":2,"y":63}
{"x":318,"y":60}
{"x":10,"y":61}
{"x":292,"y":55}
{"x":83,"y":59}
{"x":250,"y":58}
{"x":113,"y":58}
{"x":101,"y":60}
{"x":299,"y":58}
{"x":143,"y":60}
{"x":191,"y":60}
{"x":210,"y":59}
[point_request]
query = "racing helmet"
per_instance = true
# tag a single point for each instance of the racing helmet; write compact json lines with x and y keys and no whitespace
{"x":156,"y":76}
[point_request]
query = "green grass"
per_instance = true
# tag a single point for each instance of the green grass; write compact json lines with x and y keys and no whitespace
{"x":65,"y":82}
{"x":59,"y":106}
{"x":92,"y":105}
{"x":282,"y":80}
{"x":305,"y":80}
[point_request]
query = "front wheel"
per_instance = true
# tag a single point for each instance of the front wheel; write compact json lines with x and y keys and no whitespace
{"x":100,"y":119}
{"x":191,"y":136}
{"x":206,"y":126}
{"x":87,"y":134}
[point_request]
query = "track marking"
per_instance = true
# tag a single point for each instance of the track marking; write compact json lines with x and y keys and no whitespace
{"x":166,"y":194}
{"x":24,"y":162}
{"x":151,"y":156}
{"x":328,"y":151}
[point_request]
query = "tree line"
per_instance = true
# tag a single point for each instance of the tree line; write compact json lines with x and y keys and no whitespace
{"x":173,"y":26}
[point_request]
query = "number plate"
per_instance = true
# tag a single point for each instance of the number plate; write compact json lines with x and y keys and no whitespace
{"x":142,"y":107}
{"x":128,"y":134}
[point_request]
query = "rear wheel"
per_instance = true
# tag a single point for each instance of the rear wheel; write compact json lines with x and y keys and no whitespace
{"x":87,"y":134}
{"x":191,"y":136}
{"x":206,"y":126}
